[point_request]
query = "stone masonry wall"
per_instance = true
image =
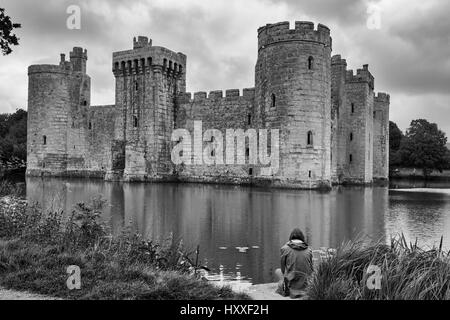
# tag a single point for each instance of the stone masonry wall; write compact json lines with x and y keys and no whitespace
{"x":148,"y":79}
{"x":98,"y":139}
{"x":67,"y":137}
{"x":293,"y":94}
{"x":78,"y":116}
{"x":48,"y":98}
{"x":220,"y":112}
{"x":381,"y":137}
{"x":359,"y":122}
{"x":339,"y":115}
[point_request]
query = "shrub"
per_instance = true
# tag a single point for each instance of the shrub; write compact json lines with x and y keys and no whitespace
{"x":8,"y":188}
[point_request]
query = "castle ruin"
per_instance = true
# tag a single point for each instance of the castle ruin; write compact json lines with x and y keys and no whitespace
{"x":333,"y":128}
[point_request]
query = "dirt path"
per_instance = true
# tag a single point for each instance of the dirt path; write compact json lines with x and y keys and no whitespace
{"x":265,"y":292}
{"x":19,"y":295}
{"x":256,"y":292}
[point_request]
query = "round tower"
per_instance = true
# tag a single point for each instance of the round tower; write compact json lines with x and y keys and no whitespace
{"x":48,"y":97}
{"x":293,"y":94}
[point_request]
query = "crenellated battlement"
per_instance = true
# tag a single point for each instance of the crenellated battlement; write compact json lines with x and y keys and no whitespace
{"x":303,"y":31}
{"x":337,"y":59}
{"x":78,"y":52}
{"x":383,"y":97}
{"x":217,"y":95}
{"x":141,"y":42}
{"x":48,"y":68}
{"x":362,"y":75}
{"x":78,"y":58}
{"x":144,"y":57}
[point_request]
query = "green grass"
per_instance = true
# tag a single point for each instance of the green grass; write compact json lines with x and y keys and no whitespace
{"x":31,"y":267}
{"x":8,"y":188}
{"x":408,"y":273}
{"x":37,"y":247}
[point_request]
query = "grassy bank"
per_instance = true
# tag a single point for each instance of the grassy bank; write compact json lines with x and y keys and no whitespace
{"x":408,"y":273}
{"x":36,"y":248}
{"x":410,"y":173}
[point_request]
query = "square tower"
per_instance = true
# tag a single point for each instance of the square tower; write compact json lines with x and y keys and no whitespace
{"x":358,"y":120}
{"x":148,"y":79}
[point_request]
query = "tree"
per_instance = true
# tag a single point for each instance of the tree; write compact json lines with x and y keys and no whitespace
{"x":395,"y":138}
{"x":13,"y":136}
{"x":424,"y":147}
{"x":7,"y":38}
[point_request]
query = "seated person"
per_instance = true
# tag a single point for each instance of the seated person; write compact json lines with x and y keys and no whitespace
{"x":296,"y":265}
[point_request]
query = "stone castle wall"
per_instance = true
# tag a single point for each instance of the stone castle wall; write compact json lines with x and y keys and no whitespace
{"x":339,"y":116}
{"x":217,"y":111}
{"x":357,"y":144}
{"x":333,"y":129}
{"x":381,"y":137}
{"x":100,"y":129}
{"x":359,"y":106}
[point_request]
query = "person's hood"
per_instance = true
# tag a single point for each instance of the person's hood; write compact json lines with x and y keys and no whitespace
{"x":297,"y":245}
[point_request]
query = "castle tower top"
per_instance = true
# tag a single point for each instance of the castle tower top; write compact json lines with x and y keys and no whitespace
{"x":78,"y":52}
{"x":362,"y":75}
{"x":78,"y":58}
{"x":141,"y":42}
{"x":303,"y":31}
{"x":337,"y":59}
{"x":144,"y":57}
{"x":383,"y":97}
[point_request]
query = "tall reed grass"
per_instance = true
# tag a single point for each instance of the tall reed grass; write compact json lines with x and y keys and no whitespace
{"x":408,"y":272}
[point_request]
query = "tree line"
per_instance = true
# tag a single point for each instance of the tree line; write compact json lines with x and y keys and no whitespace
{"x":13,"y":127}
{"x":423,"y":146}
{"x":13,"y":138}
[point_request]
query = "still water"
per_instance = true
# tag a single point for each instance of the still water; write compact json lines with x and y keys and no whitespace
{"x":240,"y":230}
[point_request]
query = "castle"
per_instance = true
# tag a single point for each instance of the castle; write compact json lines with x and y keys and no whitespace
{"x":333,"y":128}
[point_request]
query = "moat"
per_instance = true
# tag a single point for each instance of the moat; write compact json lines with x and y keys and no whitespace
{"x":240,"y":230}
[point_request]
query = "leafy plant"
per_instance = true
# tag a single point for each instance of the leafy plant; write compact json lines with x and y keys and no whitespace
{"x":7,"y":38}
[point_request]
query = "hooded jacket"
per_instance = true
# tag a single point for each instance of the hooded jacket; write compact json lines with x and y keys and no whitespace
{"x":296,"y":265}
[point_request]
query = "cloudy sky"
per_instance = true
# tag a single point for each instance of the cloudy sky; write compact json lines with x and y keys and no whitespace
{"x":409,"y":54}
